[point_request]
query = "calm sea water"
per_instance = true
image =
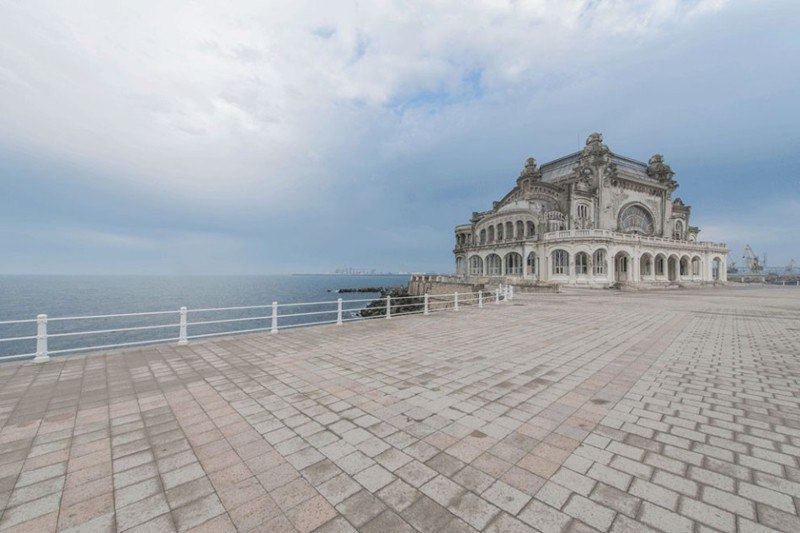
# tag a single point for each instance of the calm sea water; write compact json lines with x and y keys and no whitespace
{"x":23,"y":297}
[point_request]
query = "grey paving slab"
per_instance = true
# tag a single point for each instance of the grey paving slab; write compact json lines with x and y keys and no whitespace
{"x":674,"y":410}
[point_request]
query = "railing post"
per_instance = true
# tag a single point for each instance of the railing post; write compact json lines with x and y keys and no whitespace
{"x":388,"y":307}
{"x":339,"y":312}
{"x":455,"y":301}
{"x":274,"y":328}
{"x":41,"y":340}
{"x":480,"y":299}
{"x":497,"y":295}
{"x":425,"y":308}
{"x":182,"y":336}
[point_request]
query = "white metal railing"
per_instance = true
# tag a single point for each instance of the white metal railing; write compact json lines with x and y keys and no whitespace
{"x":268,"y":318}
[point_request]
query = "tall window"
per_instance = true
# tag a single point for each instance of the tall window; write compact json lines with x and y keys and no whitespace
{"x":513,"y":264}
{"x":646,"y":265}
{"x":520,"y":229}
{"x":483,"y":236}
{"x":581,"y":263}
{"x":491,"y":233}
{"x":475,"y":266}
{"x":531,"y":263}
{"x":696,"y":266}
{"x":583,"y":211}
{"x":560,"y":262}
{"x":531,"y":229}
{"x":659,"y":265}
{"x":684,"y":266}
{"x":493,"y":265}
{"x":509,"y":231}
{"x":499,"y":232}
{"x":599,"y":262}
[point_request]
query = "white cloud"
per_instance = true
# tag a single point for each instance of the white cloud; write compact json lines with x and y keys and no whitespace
{"x":258,"y":103}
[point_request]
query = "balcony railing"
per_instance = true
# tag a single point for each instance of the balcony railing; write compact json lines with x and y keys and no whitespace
{"x":18,"y":337}
{"x":575,"y":234}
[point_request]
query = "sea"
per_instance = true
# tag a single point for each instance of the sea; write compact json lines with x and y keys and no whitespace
{"x":25,"y":297}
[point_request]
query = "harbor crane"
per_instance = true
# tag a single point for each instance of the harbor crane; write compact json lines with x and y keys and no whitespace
{"x":753,"y":263}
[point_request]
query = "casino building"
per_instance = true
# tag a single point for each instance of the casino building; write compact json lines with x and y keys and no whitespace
{"x":591,"y":218}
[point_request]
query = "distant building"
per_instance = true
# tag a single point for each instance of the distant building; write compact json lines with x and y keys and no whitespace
{"x":590,"y":218}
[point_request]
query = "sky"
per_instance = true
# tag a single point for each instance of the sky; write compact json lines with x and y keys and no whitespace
{"x":255,"y":137}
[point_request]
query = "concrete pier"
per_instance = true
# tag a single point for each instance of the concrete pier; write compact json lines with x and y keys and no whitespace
{"x":607,"y":411}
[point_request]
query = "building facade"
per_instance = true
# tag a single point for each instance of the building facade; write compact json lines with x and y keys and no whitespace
{"x":591,"y":218}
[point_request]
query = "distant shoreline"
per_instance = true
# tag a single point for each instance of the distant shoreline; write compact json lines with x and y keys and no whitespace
{"x":356,"y":275}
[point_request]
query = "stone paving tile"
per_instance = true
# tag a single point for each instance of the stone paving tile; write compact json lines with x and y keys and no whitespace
{"x":583,"y":411}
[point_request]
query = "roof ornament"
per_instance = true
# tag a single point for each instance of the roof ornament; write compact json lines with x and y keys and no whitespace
{"x":531,"y":171}
{"x":595,"y":149}
{"x":656,"y":168}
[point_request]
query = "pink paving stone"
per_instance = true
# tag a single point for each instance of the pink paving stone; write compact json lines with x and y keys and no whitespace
{"x":526,"y":386}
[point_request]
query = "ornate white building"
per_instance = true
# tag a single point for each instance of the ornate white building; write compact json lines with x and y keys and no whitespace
{"x":590,"y":218}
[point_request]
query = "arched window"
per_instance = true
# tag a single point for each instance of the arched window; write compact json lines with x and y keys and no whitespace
{"x":491,"y":233}
{"x":483,"y":236}
{"x":716,"y":268}
{"x":684,"y":266}
{"x":599,"y":262}
{"x":509,"y":231}
{"x":513,"y":264}
{"x":560,"y":262}
{"x":696,"y":266}
{"x":531,"y":263}
{"x":460,"y":266}
{"x":583,"y":211}
{"x":636,"y":219}
{"x":520,"y":229}
{"x":678,"y":233}
{"x":493,"y":265}
{"x":499,"y":232}
{"x":475,"y":266}
{"x":531,"y":229}
{"x":646,"y":265}
{"x":582,"y":263}
{"x":659,"y":265}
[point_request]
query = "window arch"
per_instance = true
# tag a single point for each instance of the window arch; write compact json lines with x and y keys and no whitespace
{"x":684,"y":266}
{"x":582,"y":263}
{"x":483,"y":236}
{"x":491,"y":233}
{"x":560,"y":262}
{"x":475,"y":266}
{"x":583,"y":211}
{"x":509,"y":231}
{"x":531,"y":263}
{"x":520,"y":229}
{"x":494,"y":265}
{"x":695,"y":266}
{"x":636,"y":219}
{"x":531,"y":229}
{"x":646,"y":265}
{"x":599,"y":262}
{"x":500,"y":232}
{"x":660,"y":264}
{"x":513,"y":264}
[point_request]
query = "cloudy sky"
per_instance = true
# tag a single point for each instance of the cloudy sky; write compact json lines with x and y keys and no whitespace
{"x":273,"y":137}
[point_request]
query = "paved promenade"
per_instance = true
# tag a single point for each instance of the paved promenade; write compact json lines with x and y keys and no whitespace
{"x":674,"y":411}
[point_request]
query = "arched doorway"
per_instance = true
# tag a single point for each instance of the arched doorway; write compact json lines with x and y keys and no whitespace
{"x":622,"y":267}
{"x":672,"y":268}
{"x":513,"y":264}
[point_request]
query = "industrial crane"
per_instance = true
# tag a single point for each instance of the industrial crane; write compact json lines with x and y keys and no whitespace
{"x":753,"y":263}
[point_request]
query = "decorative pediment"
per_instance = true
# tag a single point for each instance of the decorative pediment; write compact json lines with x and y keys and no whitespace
{"x":595,"y":150}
